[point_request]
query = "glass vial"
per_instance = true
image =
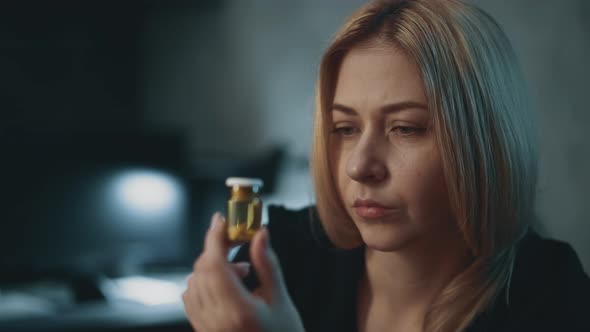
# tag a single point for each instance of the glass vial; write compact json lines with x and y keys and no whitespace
{"x":244,"y":208}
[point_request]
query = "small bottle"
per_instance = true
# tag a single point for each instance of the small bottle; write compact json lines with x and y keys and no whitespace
{"x":244,"y":209}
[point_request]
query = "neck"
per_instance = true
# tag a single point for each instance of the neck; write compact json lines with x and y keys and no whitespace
{"x":405,"y":282}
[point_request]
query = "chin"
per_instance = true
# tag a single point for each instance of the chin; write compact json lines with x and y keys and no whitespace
{"x":386,"y":237}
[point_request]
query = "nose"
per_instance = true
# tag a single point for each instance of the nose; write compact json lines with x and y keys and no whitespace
{"x":365,"y":163}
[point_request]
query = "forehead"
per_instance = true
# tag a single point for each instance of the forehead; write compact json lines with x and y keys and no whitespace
{"x":375,"y":75}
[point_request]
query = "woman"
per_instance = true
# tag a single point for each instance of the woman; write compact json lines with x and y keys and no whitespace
{"x":425,"y":173}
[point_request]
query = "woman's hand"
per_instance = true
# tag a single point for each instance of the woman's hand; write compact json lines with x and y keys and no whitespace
{"x":216,"y":300}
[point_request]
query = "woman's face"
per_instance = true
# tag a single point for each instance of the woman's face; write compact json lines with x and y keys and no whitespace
{"x":387,"y":165}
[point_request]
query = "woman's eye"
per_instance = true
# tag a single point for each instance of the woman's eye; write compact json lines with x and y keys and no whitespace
{"x":407,"y":131}
{"x":344,"y":131}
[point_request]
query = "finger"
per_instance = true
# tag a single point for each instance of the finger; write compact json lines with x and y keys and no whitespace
{"x":227,"y":286}
{"x":207,"y":298}
{"x":219,"y":286}
{"x":219,"y":283}
{"x":241,"y":269}
{"x":188,"y":302}
{"x":194,"y":306}
{"x":216,"y":241}
{"x":267,"y":266}
{"x":225,"y":298}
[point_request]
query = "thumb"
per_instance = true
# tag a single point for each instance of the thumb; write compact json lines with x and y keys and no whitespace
{"x":267,"y":267}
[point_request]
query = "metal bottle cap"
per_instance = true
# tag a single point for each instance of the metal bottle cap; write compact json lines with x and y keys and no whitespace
{"x":248,"y":182}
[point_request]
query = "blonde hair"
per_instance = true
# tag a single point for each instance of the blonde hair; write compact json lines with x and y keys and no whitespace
{"x":484,"y":133}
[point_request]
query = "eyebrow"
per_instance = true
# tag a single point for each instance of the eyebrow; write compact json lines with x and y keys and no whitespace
{"x":387,"y":108}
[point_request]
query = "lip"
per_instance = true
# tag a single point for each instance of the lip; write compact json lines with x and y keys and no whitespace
{"x":370,"y":209}
{"x":369,"y":203}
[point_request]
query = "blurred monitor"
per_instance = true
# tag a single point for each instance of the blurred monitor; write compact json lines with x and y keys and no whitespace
{"x":90,"y":203}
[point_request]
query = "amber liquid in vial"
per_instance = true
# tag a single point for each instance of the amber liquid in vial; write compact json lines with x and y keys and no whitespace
{"x":244,"y":209}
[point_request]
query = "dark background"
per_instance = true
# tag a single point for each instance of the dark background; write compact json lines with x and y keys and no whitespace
{"x":73,"y":101}
{"x":202,"y":90}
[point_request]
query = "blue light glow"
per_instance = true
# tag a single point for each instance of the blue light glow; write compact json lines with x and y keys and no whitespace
{"x":134,"y":288}
{"x":147,"y":193}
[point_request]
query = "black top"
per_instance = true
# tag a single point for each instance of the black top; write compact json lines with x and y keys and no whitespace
{"x":549,"y":290}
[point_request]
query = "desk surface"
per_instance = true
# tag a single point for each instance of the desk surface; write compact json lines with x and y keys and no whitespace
{"x":125,"y":308}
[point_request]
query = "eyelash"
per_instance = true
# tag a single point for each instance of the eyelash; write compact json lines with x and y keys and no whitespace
{"x":345,"y":130}
{"x":415,"y":130}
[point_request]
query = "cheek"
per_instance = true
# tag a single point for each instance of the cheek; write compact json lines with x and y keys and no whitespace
{"x":433,"y":188}
{"x":425,"y":188}
{"x":343,"y":180}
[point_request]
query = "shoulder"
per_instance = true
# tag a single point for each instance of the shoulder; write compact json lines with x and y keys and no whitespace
{"x":290,"y":226}
{"x":299,"y":229}
{"x":549,"y":289}
{"x":549,"y":269}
